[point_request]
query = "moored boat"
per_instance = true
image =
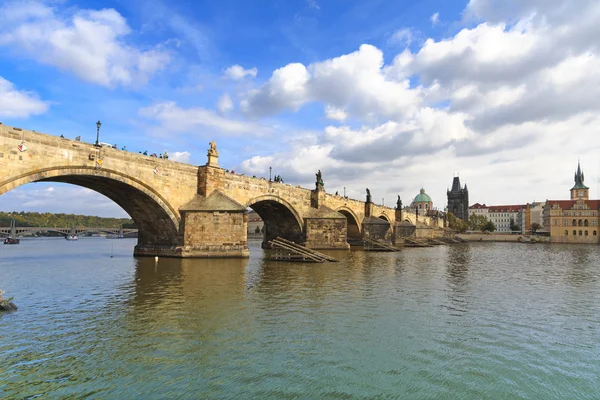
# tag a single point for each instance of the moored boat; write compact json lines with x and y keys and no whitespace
{"x":11,"y":239}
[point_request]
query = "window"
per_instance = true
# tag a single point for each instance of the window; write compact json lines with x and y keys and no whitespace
{"x":574,"y":232}
{"x":585,"y":223}
{"x":566,"y":232}
{"x":595,"y":233}
{"x":586,"y":233}
{"x":574,"y":222}
{"x":579,"y":223}
{"x":566,"y":222}
{"x":555,"y":222}
{"x":580,"y":233}
{"x":594,"y":222}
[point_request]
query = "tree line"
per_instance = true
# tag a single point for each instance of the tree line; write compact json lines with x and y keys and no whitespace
{"x":50,"y":220}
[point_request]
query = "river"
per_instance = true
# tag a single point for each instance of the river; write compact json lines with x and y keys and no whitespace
{"x":466,"y":321}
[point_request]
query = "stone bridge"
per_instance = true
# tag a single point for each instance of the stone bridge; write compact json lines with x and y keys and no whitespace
{"x":5,"y":231}
{"x":184,"y":210}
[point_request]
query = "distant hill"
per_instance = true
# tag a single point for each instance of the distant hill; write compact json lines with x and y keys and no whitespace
{"x":49,"y":220}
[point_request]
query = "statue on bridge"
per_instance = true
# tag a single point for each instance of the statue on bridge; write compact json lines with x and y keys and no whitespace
{"x":399,"y":204}
{"x":213,"y":149}
{"x":213,"y":155}
{"x":319,"y":181}
{"x":369,"y":200}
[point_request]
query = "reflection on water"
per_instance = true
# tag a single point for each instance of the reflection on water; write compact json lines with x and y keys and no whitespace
{"x":464,"y":321}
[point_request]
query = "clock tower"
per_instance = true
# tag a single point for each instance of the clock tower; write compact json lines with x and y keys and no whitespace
{"x":579,"y":191}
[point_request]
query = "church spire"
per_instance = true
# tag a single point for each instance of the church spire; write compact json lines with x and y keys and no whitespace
{"x":579,"y":178}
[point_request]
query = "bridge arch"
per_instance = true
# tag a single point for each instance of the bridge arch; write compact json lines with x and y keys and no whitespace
{"x":280,"y":218}
{"x":156,"y":219}
{"x":385,"y":218}
{"x":353,"y":225}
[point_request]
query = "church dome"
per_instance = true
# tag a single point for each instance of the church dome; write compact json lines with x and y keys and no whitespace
{"x":422,"y":197}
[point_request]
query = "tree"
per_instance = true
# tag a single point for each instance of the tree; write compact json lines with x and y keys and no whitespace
{"x":477,"y":222}
{"x":489,"y":226}
{"x":456,"y":224}
{"x":535,"y":227}
{"x":513,"y":226}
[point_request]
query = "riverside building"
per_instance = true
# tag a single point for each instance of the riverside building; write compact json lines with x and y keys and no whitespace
{"x":575,"y":220}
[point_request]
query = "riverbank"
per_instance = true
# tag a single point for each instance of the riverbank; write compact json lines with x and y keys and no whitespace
{"x":499,"y":237}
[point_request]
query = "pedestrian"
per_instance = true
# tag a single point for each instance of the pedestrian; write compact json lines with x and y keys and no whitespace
{"x":124,"y":148}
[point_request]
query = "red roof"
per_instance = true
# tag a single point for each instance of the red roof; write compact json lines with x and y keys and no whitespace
{"x":568,"y":204}
{"x":478,"y":206}
{"x":511,"y":208}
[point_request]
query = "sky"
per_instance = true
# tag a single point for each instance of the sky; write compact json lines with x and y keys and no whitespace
{"x":391,"y":95}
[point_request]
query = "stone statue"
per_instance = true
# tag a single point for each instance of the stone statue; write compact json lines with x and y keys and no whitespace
{"x":213,"y":149}
{"x":319,"y":181}
{"x":399,"y":204}
{"x":369,"y":200}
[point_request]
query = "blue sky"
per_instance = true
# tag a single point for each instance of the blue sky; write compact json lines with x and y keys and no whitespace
{"x":390,"y":95}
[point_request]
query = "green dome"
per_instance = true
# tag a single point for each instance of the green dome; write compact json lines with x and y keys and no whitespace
{"x":422,"y":197}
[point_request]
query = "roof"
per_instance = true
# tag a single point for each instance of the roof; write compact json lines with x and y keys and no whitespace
{"x":568,"y":204}
{"x":478,"y":206}
{"x":579,"y":178}
{"x":510,"y":208}
{"x":422,"y":197}
{"x":216,"y":201}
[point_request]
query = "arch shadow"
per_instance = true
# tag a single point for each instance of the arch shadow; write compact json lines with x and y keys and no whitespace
{"x":279,"y":217}
{"x":353,"y":227}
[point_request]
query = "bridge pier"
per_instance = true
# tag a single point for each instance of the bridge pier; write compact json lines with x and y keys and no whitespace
{"x":214,"y":226}
{"x":324,"y":228}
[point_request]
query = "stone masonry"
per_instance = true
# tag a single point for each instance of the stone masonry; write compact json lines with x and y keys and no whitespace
{"x":183,"y":210}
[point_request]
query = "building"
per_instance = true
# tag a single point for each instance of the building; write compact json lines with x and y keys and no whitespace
{"x":458,"y":200}
{"x":533,"y":213}
{"x":501,"y":216}
{"x":504,"y":216}
{"x":422,"y":202}
{"x":575,"y":220}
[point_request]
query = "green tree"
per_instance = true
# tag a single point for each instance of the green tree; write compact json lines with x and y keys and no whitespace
{"x":455,"y":223}
{"x":489,"y":226}
{"x":477,"y":222}
{"x":513,"y":225}
{"x":535,"y":227}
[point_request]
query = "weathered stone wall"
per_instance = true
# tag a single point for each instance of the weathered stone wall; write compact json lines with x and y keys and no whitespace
{"x":215,"y":234}
{"x":326,"y":233}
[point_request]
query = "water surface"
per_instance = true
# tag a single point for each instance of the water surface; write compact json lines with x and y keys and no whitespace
{"x":467,"y":321}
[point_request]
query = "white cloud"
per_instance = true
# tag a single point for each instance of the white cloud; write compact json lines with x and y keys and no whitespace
{"x":181,"y":156}
{"x":224,"y":104}
{"x":90,"y":43}
{"x":355,"y":82}
{"x":50,"y":197}
{"x":19,"y":104}
{"x":192,"y":120}
{"x":237,"y":72}
{"x":435,"y":18}
{"x":513,"y":93}
{"x":402,"y":37}
{"x":332,"y":112}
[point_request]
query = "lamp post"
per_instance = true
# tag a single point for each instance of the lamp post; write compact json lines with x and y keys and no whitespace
{"x":270,"y":174}
{"x":98,"y":125}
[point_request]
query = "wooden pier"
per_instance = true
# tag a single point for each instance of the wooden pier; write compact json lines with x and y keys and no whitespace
{"x":285,"y":250}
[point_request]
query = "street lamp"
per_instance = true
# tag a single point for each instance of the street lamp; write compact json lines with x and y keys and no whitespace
{"x":269,"y":174}
{"x":98,"y":125}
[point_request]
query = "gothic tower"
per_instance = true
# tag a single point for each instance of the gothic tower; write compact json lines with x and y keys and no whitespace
{"x":579,"y":191}
{"x":458,"y":200}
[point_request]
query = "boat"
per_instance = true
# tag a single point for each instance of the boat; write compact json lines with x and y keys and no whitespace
{"x":114,"y":236}
{"x":11,"y":239}
{"x":72,"y":235}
